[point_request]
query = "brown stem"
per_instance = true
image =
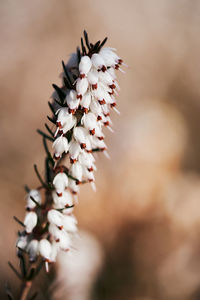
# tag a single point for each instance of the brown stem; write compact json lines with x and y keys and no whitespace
{"x":25,"y":290}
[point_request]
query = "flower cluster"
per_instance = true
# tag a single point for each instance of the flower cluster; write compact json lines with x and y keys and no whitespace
{"x":81,"y":109}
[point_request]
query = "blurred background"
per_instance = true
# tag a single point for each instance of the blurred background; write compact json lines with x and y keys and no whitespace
{"x":140,"y":230}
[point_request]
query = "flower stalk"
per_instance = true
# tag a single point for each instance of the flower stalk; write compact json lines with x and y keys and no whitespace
{"x":80,"y":110}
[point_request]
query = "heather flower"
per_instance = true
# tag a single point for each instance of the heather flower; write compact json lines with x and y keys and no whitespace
{"x":80,"y":112}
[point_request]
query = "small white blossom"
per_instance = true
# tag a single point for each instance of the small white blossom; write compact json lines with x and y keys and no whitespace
{"x":110,"y":57}
{"x":60,"y":145}
{"x":60,"y":182}
{"x":65,"y":120}
{"x":87,"y":160}
{"x":35,"y":194}
{"x":74,"y":187}
{"x":106,"y":78}
{"x":80,"y":135}
{"x":63,"y":201}
{"x":69,"y":223}
{"x":98,"y":62}
{"x":93,"y":78}
{"x":74,"y":150}
{"x":64,"y":241}
{"x":22,"y":242}
{"x":76,"y":171}
{"x":81,"y":87}
{"x":54,"y":251}
{"x":89,"y":121}
{"x":55,"y":217}
{"x":85,"y":102}
{"x":45,"y":249}
{"x":33,"y":249}
{"x":96,"y":109}
{"x":84,"y":66}
{"x":72,"y":101}
{"x":30,"y":221}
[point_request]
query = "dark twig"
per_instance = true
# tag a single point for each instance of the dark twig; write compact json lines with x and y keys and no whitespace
{"x":39,"y":177}
{"x":18,"y":221}
{"x":14,"y":270}
{"x":45,"y":135}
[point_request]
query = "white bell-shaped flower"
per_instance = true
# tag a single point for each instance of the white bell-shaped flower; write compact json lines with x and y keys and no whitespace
{"x":54,"y":251}
{"x":81,"y":87}
{"x":62,"y":116}
{"x":45,"y":249}
{"x":22,"y":242}
{"x":35,"y":194}
{"x":55,"y":231}
{"x":74,"y":187}
{"x":80,"y":135}
{"x":88,"y":175}
{"x":85,"y":102}
{"x":33,"y":249}
{"x":89,"y":121}
{"x":98,"y":62}
{"x":110,"y":57}
{"x":65,"y":120}
{"x":55,"y":217}
{"x":65,"y":242}
{"x":96,"y":143}
{"x":63,"y":201}
{"x":105,"y":78}
{"x":96,"y":109}
{"x":86,"y":159}
{"x":69,"y":223}
{"x":60,"y":145}
{"x":76,"y":171}
{"x":84,"y":66}
{"x":98,"y":133}
{"x":74,"y":150}
{"x":72,"y":101}
{"x":93,"y":78}
{"x":30,"y":221}
{"x":112,"y":72}
{"x":60,"y":182}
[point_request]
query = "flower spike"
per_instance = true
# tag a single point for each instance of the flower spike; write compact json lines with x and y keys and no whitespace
{"x":80,"y":111}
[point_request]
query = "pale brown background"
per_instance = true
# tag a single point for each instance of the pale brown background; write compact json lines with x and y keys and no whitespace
{"x":146,"y":212}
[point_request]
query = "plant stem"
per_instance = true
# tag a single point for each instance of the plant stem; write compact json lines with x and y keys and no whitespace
{"x":25,"y":290}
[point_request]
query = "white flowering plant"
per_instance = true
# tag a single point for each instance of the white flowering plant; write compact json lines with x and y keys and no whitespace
{"x":80,"y":111}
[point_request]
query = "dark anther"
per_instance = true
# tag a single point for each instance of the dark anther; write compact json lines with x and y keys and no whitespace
{"x":102,"y":102}
{"x":99,"y":118}
{"x":103,"y":69}
{"x":92,"y":132}
{"x":94,"y":86}
{"x":83,"y":145}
